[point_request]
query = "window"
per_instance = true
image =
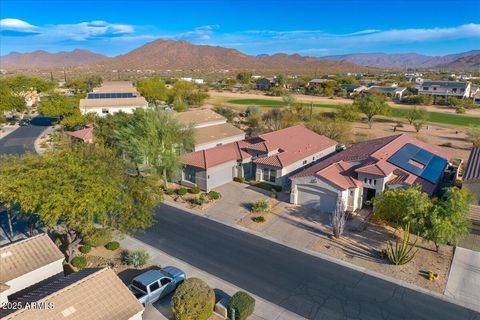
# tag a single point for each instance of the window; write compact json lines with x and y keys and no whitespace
{"x":189,"y":174}
{"x":273,"y":175}
{"x":139,"y":285}
{"x":434,"y":88}
{"x":454,"y":90}
{"x":105,"y":111}
{"x":313,"y":158}
{"x":365,"y":180}
{"x":304,"y":161}
{"x":165,"y":281}
{"x":154,"y":286}
{"x":425,"y":88}
{"x":374,"y":182}
{"x":369,"y":181}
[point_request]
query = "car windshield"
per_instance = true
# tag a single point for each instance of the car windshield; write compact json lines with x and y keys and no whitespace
{"x":139,"y":285}
{"x":168,"y":274}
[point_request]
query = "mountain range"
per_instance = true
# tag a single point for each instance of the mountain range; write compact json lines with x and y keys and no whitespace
{"x":463,"y":61}
{"x":163,"y":55}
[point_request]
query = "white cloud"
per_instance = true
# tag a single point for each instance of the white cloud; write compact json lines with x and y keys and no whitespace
{"x":17,"y":25}
{"x":200,"y":33}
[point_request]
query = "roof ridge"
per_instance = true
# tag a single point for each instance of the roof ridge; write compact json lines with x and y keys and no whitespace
{"x":204,"y":152}
{"x":22,"y":241}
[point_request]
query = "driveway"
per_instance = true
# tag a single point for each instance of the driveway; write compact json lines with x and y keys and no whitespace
{"x":464,"y":279}
{"x":236,"y":201}
{"x":22,"y":139}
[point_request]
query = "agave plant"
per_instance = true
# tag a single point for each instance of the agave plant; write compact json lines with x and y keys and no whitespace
{"x":403,"y":252}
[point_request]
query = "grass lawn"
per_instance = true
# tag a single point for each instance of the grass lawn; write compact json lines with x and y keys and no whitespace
{"x":434,"y":117}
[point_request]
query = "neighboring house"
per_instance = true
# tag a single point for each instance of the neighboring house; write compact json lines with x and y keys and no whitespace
{"x":112,"y":97}
{"x":84,"y":135}
{"x":93,"y":293}
{"x":392,"y":92}
{"x":476,"y":98}
{"x":471,"y":176}
{"x":211,"y":129}
{"x":315,"y":83}
{"x":352,"y":89}
{"x":366,"y":169}
{"x":270,"y":157}
{"x":265,"y":84}
{"x":445,"y":89}
{"x":27,"y":262}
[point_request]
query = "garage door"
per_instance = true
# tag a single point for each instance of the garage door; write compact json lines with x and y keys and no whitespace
{"x":220,"y":177}
{"x":316,"y":198}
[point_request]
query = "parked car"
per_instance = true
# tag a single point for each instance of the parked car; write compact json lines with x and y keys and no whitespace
{"x":24,"y":122}
{"x":156,"y":284}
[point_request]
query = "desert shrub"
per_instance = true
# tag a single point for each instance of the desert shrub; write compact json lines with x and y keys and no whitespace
{"x":98,"y":237}
{"x":202,"y":199}
{"x":258,"y":219}
{"x":239,"y":179}
{"x":267,"y":186}
{"x":195,"y":190}
{"x":261,"y":206}
{"x":243,"y":304}
{"x":169,"y":191}
{"x":137,"y":258}
{"x":214,"y":195}
{"x":460,"y":110}
{"x":402,"y":252}
{"x":112,"y":245}
{"x":182,"y":191}
{"x":193,"y":299}
{"x":79,"y":262}
{"x":85,"y":249}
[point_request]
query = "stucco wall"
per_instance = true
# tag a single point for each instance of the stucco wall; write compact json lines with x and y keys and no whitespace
{"x":112,"y":110}
{"x":215,"y":143}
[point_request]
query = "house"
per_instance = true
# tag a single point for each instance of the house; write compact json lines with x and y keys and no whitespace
{"x":93,"y":293}
{"x":471,"y":176}
{"x":84,"y":135}
{"x":352,"y":89}
{"x":112,"y":97}
{"x":211,"y":129}
{"x":366,"y":169}
{"x":265,"y":84}
{"x":27,"y":262}
{"x":270,"y":157}
{"x":315,"y":83}
{"x":445,"y":89}
{"x":390,"y":91}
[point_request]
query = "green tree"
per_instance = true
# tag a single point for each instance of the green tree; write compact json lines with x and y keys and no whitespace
{"x":57,"y":105}
{"x":193,"y":299}
{"x":85,"y":84}
{"x":473,"y":135}
{"x":289,"y":99}
{"x":274,"y":119}
{"x":347,"y":112}
{"x":371,"y":105}
{"x":226,"y":112}
{"x":153,"y":90}
{"x":62,"y":189}
{"x":244,"y":77}
{"x":9,"y":101}
{"x":104,"y":128}
{"x":337,"y":130}
{"x":416,"y":114}
{"x":75,"y":120}
{"x":22,"y":84}
{"x":155,"y":140}
{"x":197,"y":98}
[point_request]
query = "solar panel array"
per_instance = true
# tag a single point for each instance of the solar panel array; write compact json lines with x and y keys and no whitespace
{"x":110,"y":95}
{"x":430,"y":165}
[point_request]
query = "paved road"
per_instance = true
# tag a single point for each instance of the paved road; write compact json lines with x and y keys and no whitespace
{"x":306,"y":285}
{"x":22,"y":140}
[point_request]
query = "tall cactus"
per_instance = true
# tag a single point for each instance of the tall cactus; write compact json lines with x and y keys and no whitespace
{"x":403,"y":252}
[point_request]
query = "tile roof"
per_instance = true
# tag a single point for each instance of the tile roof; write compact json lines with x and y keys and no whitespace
{"x":340,"y":174}
{"x":84,"y":134}
{"x":198,"y":117}
{"x":212,"y":157}
{"x":22,"y":257}
{"x":380,"y":168}
{"x":87,"y":294}
{"x":216,"y":132}
{"x":472,"y":170}
{"x":113,"y":103}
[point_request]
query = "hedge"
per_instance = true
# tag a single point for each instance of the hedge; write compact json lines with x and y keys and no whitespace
{"x":193,"y":299}
{"x":243,"y":304}
{"x":267,"y":186}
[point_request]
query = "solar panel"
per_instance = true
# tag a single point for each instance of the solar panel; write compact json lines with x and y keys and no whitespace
{"x":420,"y":162}
{"x":110,"y":95}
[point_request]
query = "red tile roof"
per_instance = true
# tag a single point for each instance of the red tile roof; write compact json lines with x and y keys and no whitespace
{"x":339,"y":173}
{"x":211,"y":157}
{"x":83,"y":134}
{"x":380,"y":168}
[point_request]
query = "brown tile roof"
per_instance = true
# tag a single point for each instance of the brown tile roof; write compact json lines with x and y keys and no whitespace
{"x":22,"y":257}
{"x":85,"y":134}
{"x":198,"y":117}
{"x":339,"y":173}
{"x":216,"y":132}
{"x":380,"y":168}
{"x":87,"y":294}
{"x":472,"y":171}
{"x":212,"y":157}
{"x":113,"y":103}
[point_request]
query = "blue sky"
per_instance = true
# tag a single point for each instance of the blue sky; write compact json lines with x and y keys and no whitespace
{"x":314,"y":28}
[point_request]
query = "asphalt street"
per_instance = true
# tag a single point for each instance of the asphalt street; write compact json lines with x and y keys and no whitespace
{"x":22,"y":139}
{"x":304,"y":284}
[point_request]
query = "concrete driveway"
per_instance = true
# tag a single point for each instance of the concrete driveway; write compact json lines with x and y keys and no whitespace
{"x":236,"y":201}
{"x":464,"y":278}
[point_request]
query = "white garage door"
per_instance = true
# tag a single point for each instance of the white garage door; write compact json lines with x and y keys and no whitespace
{"x":220,"y":177}
{"x":316,"y":198}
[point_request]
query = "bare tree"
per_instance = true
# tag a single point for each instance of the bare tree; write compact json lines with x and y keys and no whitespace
{"x":338,"y":219}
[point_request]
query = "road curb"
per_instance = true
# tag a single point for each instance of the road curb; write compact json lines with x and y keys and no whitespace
{"x":332,"y":259}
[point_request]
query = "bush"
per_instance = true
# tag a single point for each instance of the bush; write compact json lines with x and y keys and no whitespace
{"x":193,"y":299}
{"x":258,"y":219}
{"x":202,"y":199}
{"x":261,"y":206}
{"x":112,"y":245}
{"x":214,"y":195}
{"x":137,"y":258}
{"x":169,"y":191}
{"x":98,"y":237}
{"x":79,"y":262}
{"x":243,"y":304}
{"x":267,"y":186}
{"x":239,"y":179}
{"x":195,"y":190}
{"x":85,"y":249}
{"x":182,"y":191}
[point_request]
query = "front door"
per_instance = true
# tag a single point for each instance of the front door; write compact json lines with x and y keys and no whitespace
{"x":368,"y":194}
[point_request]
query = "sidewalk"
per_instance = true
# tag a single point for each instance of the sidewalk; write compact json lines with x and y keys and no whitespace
{"x":263,"y":309}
